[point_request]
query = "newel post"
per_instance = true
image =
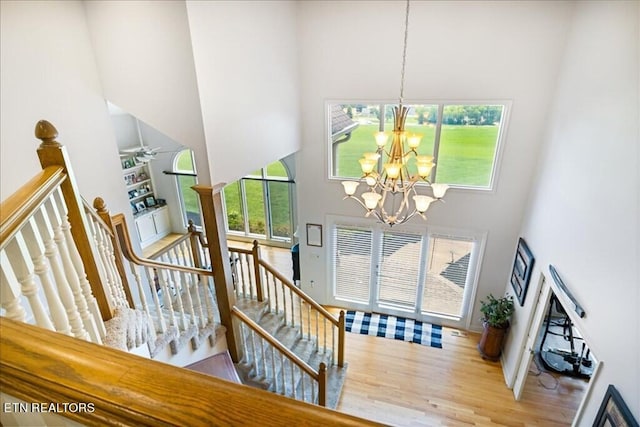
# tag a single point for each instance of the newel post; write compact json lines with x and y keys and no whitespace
{"x":194,"y":238}
{"x":216,"y":235}
{"x":256,"y":270}
{"x":52,"y":153}
{"x":341,"y":332}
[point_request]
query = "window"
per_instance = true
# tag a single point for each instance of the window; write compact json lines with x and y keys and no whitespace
{"x":426,"y":275}
{"x":260,"y":204}
{"x":185,"y":172}
{"x":463,"y":138}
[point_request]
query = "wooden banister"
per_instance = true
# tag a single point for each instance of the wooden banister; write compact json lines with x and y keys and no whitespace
{"x":17,"y":208}
{"x":323,"y":311}
{"x":122,"y":232}
{"x":275,"y":343}
{"x":38,"y":365}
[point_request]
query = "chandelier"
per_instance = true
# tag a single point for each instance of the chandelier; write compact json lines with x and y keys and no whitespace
{"x":391,"y":196}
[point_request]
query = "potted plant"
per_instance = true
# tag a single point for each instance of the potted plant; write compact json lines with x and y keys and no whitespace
{"x":496,"y":313}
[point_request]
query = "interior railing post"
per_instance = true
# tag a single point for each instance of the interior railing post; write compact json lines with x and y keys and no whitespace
{"x":322,"y":384}
{"x":256,"y":268}
{"x":52,"y":153}
{"x":341,"y":332}
{"x":194,"y":240}
{"x":216,"y":236}
{"x":101,"y":209}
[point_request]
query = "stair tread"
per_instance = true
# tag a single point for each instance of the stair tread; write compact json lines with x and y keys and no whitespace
{"x":219,"y":365}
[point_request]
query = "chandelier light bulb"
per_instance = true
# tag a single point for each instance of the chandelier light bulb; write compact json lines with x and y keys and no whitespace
{"x":371,"y":180}
{"x":422,"y":202}
{"x":381,"y":139}
{"x":413,"y":141}
{"x":439,"y":190}
{"x":371,"y":156}
{"x":393,"y":170}
{"x":424,"y":169}
{"x":350,"y":187}
{"x":371,"y":199}
{"x":367,"y":165}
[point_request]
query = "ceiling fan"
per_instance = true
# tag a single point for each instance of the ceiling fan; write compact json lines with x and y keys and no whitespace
{"x":143,"y":153}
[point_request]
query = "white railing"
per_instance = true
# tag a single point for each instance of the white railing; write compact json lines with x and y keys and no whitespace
{"x":43,"y":277}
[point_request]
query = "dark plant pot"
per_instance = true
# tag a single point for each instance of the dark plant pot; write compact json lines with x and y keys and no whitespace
{"x":490,"y":345}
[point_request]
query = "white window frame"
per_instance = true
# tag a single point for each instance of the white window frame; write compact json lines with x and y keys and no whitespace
{"x":502,"y":134}
{"x":475,"y":262}
{"x":182,"y":172}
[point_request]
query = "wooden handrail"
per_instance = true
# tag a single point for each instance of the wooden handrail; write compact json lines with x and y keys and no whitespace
{"x":285,"y":281}
{"x":17,"y":208}
{"x":275,"y":343}
{"x":122,"y":231}
{"x":38,"y":365}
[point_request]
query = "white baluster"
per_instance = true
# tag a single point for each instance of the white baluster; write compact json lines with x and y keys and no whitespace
{"x":19,"y":259}
{"x":41,"y":267}
{"x":64,"y":288}
{"x":61,"y":232}
{"x":282,"y":375}
{"x":142,"y":295}
{"x":293,"y":379}
{"x":154,"y":296}
{"x":264,"y":362}
{"x":10,"y":291}
{"x":76,"y":259}
{"x":273,"y":368}
{"x":161,"y":276}
{"x":324,"y":326}
{"x":108,"y":269}
{"x":174,"y":280}
{"x":193,"y":286}
{"x":186,"y":290}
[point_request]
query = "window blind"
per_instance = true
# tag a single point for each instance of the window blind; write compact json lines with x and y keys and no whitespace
{"x":352,"y":260}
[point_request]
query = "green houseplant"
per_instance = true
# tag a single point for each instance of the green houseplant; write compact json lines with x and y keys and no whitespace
{"x":496,"y":313}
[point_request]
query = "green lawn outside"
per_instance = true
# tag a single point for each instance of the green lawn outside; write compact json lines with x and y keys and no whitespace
{"x":465,"y":158}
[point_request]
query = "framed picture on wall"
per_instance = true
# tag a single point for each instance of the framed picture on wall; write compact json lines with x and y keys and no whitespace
{"x":521,"y":272}
{"x":314,"y":235}
{"x":613,"y":411}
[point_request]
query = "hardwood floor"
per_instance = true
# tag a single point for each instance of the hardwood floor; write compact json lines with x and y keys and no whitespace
{"x":404,"y":384}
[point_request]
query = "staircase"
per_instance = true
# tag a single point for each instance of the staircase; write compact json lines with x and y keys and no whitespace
{"x":288,"y":342}
{"x":264,"y":370}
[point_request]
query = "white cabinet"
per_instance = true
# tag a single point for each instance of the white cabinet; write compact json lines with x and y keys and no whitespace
{"x":153,"y":225}
{"x":151,"y":217}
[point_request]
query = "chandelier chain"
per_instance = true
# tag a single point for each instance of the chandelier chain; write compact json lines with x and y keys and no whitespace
{"x":404,"y":51}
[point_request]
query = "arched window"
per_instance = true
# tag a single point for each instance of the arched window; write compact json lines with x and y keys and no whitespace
{"x":260,"y":204}
{"x":185,"y":171}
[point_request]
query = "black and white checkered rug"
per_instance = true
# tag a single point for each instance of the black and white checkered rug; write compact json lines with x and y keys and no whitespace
{"x":399,"y":328}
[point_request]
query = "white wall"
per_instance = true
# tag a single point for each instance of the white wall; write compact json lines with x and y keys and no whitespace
{"x":456,"y":51}
{"x":49,"y":72}
{"x":584,"y":212}
{"x":145,"y":60}
{"x":246,"y":61}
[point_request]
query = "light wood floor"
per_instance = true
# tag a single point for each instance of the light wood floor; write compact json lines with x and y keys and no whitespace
{"x":404,"y":384}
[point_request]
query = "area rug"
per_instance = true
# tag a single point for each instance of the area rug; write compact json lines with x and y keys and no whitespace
{"x":399,"y":328}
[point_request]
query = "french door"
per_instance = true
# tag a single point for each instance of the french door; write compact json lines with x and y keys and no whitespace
{"x":420,"y":274}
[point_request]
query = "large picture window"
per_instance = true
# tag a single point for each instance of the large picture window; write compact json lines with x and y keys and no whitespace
{"x":260,"y":205}
{"x":427,"y":275}
{"x":464,"y":138}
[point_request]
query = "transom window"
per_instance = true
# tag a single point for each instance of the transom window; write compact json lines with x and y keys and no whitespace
{"x":463,"y":138}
